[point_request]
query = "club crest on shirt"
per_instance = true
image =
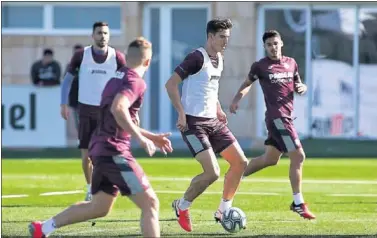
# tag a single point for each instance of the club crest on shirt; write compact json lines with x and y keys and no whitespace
{"x":214,"y":77}
{"x":286,"y":65}
{"x":119,"y":74}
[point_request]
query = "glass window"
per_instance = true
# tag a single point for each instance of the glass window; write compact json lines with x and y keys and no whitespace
{"x":186,"y":37}
{"x":83,"y":17}
{"x":333,"y":110}
{"x":367,"y":72}
{"x":154,"y":70}
{"x":22,"y":17}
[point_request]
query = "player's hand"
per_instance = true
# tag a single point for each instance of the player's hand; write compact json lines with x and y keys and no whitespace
{"x":222,"y":117}
{"x":233,"y":108}
{"x":300,"y":88}
{"x":181,"y":122}
{"x":161,"y":141}
{"x":148,"y":145}
{"x":64,"y":111}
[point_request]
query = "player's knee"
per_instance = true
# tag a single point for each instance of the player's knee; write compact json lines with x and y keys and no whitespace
{"x":213,"y":176}
{"x":298,"y":159}
{"x":271,"y":161}
{"x":152,"y":203}
{"x":243,"y":164}
{"x":100,"y":211}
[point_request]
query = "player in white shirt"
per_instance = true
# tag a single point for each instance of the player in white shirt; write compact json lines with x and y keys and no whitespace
{"x":96,"y":64}
{"x":202,"y":122}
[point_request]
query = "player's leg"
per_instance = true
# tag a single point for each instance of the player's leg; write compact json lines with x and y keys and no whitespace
{"x":297,"y":158}
{"x":200,"y":147}
{"x":85,"y":132}
{"x":271,"y":156}
{"x":76,"y":117}
{"x":104,"y":195}
{"x":211,"y":172}
{"x":148,"y":202}
{"x":224,"y":142}
{"x":131,"y":180}
{"x":287,"y":138}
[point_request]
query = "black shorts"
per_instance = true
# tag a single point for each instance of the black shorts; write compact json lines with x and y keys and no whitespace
{"x":204,"y":133}
{"x":88,"y":118}
{"x":112,"y":174}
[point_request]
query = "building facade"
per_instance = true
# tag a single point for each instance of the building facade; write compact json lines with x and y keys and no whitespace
{"x":328,"y":41}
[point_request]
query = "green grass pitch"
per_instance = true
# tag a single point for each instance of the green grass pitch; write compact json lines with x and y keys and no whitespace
{"x":341,"y":192}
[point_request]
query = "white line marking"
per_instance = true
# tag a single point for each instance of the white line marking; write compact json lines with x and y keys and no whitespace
{"x":99,"y":230}
{"x":352,"y":195}
{"x":273,"y":180}
{"x":181,"y":192}
{"x":15,"y":196}
{"x":247,"y":180}
{"x":241,"y":193}
{"x":61,"y":193}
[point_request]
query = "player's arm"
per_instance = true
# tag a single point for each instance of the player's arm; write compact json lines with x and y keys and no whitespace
{"x":120,"y":110}
{"x":69,"y":75}
{"x":191,"y":65}
{"x":300,"y":87}
{"x":246,"y":85}
{"x":243,"y":90}
{"x":160,"y":140}
{"x":219,"y":108}
{"x":173,"y":92}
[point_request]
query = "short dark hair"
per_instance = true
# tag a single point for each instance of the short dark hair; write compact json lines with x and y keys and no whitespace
{"x":218,"y":24}
{"x":99,"y":24}
{"x":269,"y":34}
{"x":48,"y":52}
{"x":77,"y":47}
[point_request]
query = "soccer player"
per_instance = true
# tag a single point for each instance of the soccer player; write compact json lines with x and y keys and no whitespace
{"x":74,"y":92}
{"x":279,"y":78}
{"x":202,"y":122}
{"x":115,"y":169}
{"x":96,"y":64}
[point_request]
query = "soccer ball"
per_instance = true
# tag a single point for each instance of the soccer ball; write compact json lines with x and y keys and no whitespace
{"x":233,"y":220}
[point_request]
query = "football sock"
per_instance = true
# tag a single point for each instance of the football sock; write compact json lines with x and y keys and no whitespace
{"x":89,"y":188}
{"x":225,"y":205}
{"x":298,"y":198}
{"x":48,"y":226}
{"x":183,"y":204}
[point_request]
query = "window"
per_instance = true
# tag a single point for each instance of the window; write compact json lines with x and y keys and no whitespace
{"x":58,"y":18}
{"x":14,"y":17}
{"x":82,"y":17}
{"x":367,"y":87}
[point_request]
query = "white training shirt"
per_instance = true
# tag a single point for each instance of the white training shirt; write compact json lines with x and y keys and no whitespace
{"x":200,"y":91}
{"x":93,"y":76}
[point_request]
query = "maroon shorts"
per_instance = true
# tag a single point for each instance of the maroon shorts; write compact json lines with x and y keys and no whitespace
{"x":117,"y":173}
{"x":282,"y":135}
{"x":88,"y":118}
{"x":204,"y":133}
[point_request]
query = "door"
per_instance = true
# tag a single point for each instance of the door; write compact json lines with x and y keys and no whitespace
{"x":175,"y":30}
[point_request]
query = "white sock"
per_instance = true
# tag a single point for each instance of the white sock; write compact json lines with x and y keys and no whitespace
{"x":89,"y":188}
{"x":298,"y":198}
{"x":183,"y":204}
{"x":225,"y":205}
{"x":48,"y":227}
